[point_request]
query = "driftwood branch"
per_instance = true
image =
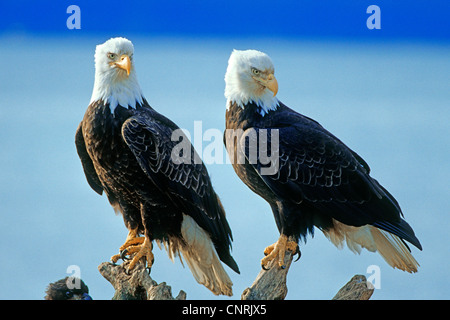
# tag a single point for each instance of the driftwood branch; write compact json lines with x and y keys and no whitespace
{"x":271,"y":285}
{"x":268,"y":285}
{"x":136,"y":285}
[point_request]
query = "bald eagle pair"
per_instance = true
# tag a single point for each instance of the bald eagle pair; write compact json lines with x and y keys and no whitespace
{"x":125,"y":149}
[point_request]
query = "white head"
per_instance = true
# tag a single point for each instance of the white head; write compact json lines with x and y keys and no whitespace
{"x":250,"y":77}
{"x":115,"y":76}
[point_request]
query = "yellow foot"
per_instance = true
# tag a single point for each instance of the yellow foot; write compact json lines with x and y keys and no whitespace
{"x":142,"y":251}
{"x":132,"y":240}
{"x":278,"y":249}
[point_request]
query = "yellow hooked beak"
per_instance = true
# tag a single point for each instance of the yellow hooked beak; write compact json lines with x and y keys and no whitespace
{"x":124,"y":63}
{"x":270,"y":83}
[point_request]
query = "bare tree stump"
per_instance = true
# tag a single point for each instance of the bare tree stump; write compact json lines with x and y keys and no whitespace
{"x":358,"y":288}
{"x":136,"y":285}
{"x":270,"y":284}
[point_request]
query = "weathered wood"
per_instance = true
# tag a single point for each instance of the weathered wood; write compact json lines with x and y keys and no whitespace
{"x":270,"y":284}
{"x":136,"y":285}
{"x":358,"y":288}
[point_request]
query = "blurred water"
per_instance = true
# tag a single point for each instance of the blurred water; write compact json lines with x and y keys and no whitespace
{"x":388,"y":102}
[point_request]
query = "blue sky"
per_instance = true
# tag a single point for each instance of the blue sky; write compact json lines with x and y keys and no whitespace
{"x":402,"y":19}
{"x":385,"y":93}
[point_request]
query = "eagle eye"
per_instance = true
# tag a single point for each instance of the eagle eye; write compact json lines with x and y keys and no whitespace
{"x":255,"y":71}
{"x":112,"y":56}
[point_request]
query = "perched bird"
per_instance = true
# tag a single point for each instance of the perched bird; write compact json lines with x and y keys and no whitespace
{"x":125,"y":147}
{"x":69,"y":288}
{"x":314,"y":179}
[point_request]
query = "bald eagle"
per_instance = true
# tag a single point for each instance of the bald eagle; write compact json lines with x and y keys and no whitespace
{"x":317,"y":182}
{"x":125,"y":147}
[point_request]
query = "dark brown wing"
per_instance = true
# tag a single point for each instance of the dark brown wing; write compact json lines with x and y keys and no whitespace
{"x":86,"y":161}
{"x":176,"y":169}
{"x":316,"y":167}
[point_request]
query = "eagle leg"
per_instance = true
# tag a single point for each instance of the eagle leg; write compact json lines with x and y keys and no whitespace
{"x":278,"y":249}
{"x":142,"y":251}
{"x":132,"y":240}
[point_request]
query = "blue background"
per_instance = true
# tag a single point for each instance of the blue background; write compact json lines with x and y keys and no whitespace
{"x":401,"y":19}
{"x":385,"y":93}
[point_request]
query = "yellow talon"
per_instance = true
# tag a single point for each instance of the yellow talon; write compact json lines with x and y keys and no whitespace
{"x":115,"y":258}
{"x":132,"y":240}
{"x":142,"y":251}
{"x":140,"y":246}
{"x":278,"y":249}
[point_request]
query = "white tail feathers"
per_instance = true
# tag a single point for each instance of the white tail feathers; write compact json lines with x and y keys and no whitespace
{"x":201,"y":257}
{"x":390,"y":246}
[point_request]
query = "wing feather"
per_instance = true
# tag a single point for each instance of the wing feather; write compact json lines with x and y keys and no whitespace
{"x":88,"y":166}
{"x":317,"y":167}
{"x":187,"y":183}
